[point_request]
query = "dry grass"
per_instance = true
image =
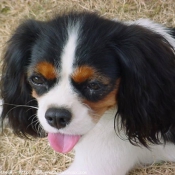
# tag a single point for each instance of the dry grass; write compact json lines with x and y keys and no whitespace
{"x":32,"y":157}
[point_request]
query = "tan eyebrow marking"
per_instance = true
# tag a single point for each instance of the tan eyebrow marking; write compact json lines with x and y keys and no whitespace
{"x":46,"y":69}
{"x":83,"y":73}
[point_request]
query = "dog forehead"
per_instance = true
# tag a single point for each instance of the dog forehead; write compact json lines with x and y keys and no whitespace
{"x":78,"y":47}
{"x":69,"y":49}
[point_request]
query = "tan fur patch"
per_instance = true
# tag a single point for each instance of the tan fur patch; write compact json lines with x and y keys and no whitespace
{"x":99,"y":108}
{"x":83,"y":73}
{"x":46,"y":69}
{"x":34,"y":94}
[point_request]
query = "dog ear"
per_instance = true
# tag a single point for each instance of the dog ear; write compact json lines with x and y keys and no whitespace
{"x":146,"y":97}
{"x":19,"y":106}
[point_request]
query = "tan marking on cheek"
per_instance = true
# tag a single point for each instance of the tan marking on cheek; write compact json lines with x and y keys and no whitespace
{"x":34,"y":94}
{"x":99,"y":108}
{"x":46,"y":69}
{"x":83,"y":73}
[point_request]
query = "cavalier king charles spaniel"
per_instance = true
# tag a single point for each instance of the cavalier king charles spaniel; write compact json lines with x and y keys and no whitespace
{"x":103,"y":87}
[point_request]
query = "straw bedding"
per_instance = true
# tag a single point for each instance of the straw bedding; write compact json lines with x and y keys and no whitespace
{"x":19,"y":156}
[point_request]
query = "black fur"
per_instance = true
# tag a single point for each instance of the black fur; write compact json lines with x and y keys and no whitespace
{"x":146,"y":98}
{"x":142,"y":59}
{"x":15,"y":90}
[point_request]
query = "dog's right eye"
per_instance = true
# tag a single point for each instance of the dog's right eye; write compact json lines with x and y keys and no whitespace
{"x":37,"y":80}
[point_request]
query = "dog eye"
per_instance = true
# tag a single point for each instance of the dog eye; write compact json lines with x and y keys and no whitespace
{"x":37,"y":80}
{"x":94,"y":86}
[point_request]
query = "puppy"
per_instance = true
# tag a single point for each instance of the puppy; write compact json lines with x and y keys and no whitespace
{"x":103,"y":87}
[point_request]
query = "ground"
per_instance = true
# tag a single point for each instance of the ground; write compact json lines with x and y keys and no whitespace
{"x":19,"y":156}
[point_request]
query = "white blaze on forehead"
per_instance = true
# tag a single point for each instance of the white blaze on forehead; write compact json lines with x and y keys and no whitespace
{"x":63,"y":95}
{"x":68,"y":54}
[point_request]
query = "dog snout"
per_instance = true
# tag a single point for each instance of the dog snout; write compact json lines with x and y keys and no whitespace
{"x":58,"y":117}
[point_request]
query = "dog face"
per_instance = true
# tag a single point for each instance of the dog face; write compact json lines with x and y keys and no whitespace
{"x":70,"y":70}
{"x":72,"y":93}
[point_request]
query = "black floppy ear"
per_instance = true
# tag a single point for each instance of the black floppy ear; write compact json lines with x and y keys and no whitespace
{"x":146,"y":97}
{"x":19,"y":106}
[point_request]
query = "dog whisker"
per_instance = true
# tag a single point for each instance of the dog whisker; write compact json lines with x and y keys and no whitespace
{"x":17,"y":106}
{"x":36,"y":126}
{"x":34,"y":107}
{"x":33,"y":123}
{"x":32,"y":116}
{"x":31,"y":100}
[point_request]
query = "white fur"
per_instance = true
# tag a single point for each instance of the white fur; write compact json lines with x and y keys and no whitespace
{"x":68,"y":53}
{"x":160,"y":29}
{"x":100,"y":151}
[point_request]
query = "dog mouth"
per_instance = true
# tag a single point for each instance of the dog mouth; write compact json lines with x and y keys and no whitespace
{"x":63,"y":143}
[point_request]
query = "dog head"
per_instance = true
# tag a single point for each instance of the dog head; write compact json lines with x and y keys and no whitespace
{"x":66,"y":72}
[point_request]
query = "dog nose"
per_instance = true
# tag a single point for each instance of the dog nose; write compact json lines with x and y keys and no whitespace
{"x":58,"y":117}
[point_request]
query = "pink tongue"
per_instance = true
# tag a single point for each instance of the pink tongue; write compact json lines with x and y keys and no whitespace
{"x":62,"y":143}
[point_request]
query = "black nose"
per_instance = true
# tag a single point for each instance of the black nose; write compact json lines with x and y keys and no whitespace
{"x":58,"y":117}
